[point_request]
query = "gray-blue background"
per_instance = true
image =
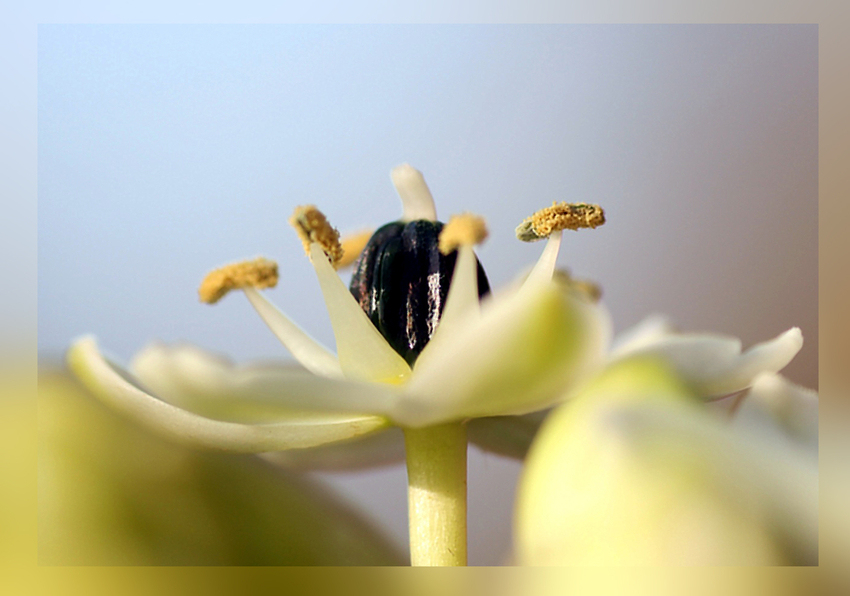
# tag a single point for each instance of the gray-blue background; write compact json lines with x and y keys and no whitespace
{"x":165,"y":151}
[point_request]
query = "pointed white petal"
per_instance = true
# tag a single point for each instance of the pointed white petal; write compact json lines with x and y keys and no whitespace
{"x":462,"y":306}
{"x":462,"y":299}
{"x":208,"y":384}
{"x":545,"y":266}
{"x":311,"y":354}
{"x":117,"y":389}
{"x":714,"y":365}
{"x":527,"y":349}
{"x":416,"y":199}
{"x":363,"y":352}
{"x":215,"y":387}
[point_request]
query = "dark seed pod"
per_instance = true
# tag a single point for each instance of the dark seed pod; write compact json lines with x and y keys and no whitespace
{"x":401,"y":281}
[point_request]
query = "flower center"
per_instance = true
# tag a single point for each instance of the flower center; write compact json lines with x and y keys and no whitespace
{"x":401,"y":282}
{"x":401,"y":278}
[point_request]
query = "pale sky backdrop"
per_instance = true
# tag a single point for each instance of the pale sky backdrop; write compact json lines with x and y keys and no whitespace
{"x":165,"y":151}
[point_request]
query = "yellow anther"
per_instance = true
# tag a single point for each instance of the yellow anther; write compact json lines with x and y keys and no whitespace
{"x":560,"y":216}
{"x":465,"y":229}
{"x":352,"y":246}
{"x":259,"y":273}
{"x":312,"y":226}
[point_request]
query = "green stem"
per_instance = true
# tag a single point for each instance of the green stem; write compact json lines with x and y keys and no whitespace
{"x":436,"y":478}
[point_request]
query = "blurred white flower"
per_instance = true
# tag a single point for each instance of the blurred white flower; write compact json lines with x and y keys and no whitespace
{"x":634,"y":471}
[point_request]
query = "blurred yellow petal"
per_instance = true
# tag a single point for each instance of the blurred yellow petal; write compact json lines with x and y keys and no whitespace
{"x":110,"y":493}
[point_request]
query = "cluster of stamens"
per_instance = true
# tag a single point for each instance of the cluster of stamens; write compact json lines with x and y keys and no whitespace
{"x":461,"y":230}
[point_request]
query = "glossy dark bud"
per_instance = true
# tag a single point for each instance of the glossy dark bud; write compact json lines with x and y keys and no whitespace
{"x":401,"y":281}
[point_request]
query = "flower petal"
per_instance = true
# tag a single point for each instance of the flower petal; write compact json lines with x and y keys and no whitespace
{"x":215,"y":387}
{"x":462,"y":300}
{"x":714,"y":365}
{"x":311,"y":354}
{"x":462,"y":303}
{"x":527,"y":348}
{"x":116,"y":388}
{"x":363,"y":352}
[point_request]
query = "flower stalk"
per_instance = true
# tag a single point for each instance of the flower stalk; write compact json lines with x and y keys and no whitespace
{"x":436,"y":472}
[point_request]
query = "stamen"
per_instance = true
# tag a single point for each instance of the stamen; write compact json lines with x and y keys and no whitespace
{"x":259,"y":273}
{"x":560,"y":216}
{"x":352,"y":246}
{"x":312,"y":226}
{"x":466,"y":229}
{"x":545,"y":266}
{"x":416,"y":199}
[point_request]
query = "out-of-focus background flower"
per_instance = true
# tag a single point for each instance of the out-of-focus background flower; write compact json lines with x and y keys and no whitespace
{"x":111,"y":493}
{"x":167,"y":151}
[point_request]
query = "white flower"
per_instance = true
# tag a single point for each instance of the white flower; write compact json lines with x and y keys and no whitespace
{"x":512,"y":354}
{"x":519,"y":351}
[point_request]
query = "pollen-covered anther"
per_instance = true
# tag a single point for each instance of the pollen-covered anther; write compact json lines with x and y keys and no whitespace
{"x":560,"y":216}
{"x":312,"y":226}
{"x":259,"y":273}
{"x":465,"y":229}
